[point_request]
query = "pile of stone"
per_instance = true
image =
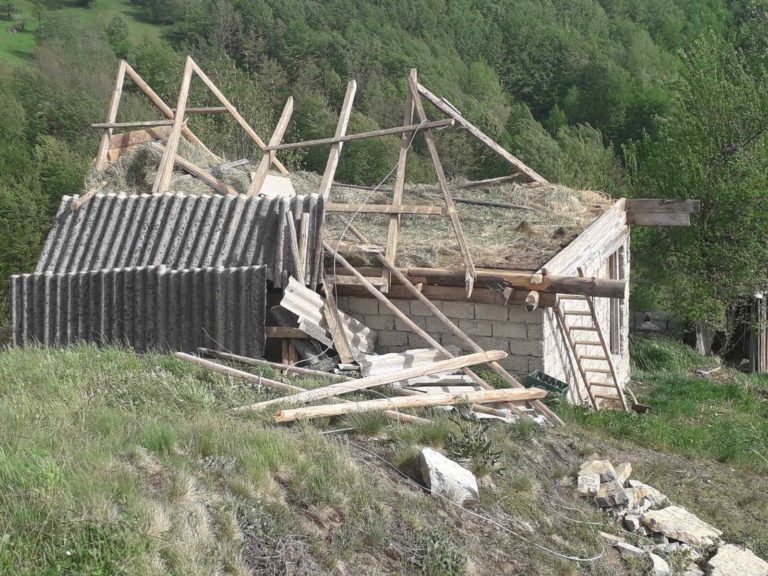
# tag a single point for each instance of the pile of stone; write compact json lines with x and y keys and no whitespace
{"x":661,"y":528}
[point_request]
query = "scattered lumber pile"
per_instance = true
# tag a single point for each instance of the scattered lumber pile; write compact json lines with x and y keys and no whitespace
{"x":659,"y":529}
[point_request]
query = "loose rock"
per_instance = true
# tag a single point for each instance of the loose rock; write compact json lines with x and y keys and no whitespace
{"x":589,"y":484}
{"x":679,"y":524}
{"x":623,"y":471}
{"x":659,"y":565}
{"x":611,"y":494}
{"x":732,"y":560}
{"x":632,"y":522}
{"x":638,"y":492}
{"x":446,"y":478}
{"x":603,"y":468}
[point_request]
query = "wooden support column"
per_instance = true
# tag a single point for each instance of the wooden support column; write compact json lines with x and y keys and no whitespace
{"x":335,"y":327}
{"x":469,"y":278}
{"x":455,"y":330}
{"x":114,"y":104}
{"x":165,"y":170}
{"x":341,"y":130}
{"x":397,"y":197}
{"x":269,"y":157}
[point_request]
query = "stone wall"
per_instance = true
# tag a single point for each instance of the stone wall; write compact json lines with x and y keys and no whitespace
{"x":492,"y":326}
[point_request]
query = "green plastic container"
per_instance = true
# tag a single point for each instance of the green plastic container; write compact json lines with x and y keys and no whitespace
{"x":556,"y":389}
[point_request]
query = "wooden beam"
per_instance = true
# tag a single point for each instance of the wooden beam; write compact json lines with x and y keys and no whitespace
{"x":393,"y":230}
{"x":448,"y":365}
{"x":235,"y":114}
{"x":139,"y":124}
{"x":146,"y":89}
{"x":448,"y":323}
{"x":399,"y":313}
{"x":304,"y":241}
{"x":335,"y":326}
{"x":293,"y":247}
{"x":197,"y":172}
{"x":165,"y":170}
{"x":469,"y":278}
{"x":384,"y":209}
{"x":137,"y":137}
{"x":662,"y":205}
{"x":446,"y":108}
{"x":269,"y":157}
{"x":205,"y":110}
{"x":285,"y":368}
{"x":114,"y":104}
{"x":281,"y":386}
{"x":453,"y":294}
{"x":362,"y":135}
{"x":601,"y":287}
{"x":422,"y":401}
{"x":341,"y":131}
{"x":659,"y":218}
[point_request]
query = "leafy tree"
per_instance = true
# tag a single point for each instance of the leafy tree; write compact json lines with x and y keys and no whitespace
{"x":118,"y":33}
{"x":7,"y":8}
{"x":713,"y":145}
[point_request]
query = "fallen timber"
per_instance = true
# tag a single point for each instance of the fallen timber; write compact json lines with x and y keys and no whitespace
{"x":422,"y":401}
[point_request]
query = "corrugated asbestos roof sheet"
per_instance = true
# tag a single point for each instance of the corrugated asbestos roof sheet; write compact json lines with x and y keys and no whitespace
{"x":181,"y":232}
{"x":149,"y":308}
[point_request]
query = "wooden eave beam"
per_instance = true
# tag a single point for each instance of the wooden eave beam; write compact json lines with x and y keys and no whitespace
{"x":384,"y":209}
{"x":660,"y":212}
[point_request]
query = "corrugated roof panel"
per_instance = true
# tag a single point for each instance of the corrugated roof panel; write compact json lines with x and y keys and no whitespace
{"x":181,"y":232}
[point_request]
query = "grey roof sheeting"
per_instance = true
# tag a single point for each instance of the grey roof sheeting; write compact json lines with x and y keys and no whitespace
{"x":181,"y":231}
{"x":147,"y":308}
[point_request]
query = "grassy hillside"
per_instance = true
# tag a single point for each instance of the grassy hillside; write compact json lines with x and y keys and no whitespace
{"x":18,"y":48}
{"x":114,"y":463}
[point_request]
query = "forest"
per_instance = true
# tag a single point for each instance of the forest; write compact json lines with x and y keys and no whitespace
{"x":638,"y":98}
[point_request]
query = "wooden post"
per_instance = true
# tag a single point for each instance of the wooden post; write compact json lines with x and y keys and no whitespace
{"x":335,"y":327}
{"x":282,"y":386}
{"x":448,"y":323}
{"x":469,"y":278}
{"x":269,"y":157}
{"x":114,"y":104}
{"x":288,"y":369}
{"x":421,"y":401}
{"x":397,"y":197}
{"x":165,"y":170}
{"x":373,"y":381}
{"x":341,"y":130}
{"x":235,"y":114}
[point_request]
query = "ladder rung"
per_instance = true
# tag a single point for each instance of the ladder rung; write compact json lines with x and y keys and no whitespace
{"x":570,"y":297}
{"x":603,"y":358}
{"x":586,"y":343}
{"x":577,"y":313}
{"x":598,"y":370}
{"x":602,"y":384}
{"x":604,"y":397}
{"x":583,"y":328}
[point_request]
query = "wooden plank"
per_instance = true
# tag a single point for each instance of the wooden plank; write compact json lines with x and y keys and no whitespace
{"x":269,"y":157}
{"x":332,"y":319}
{"x":114,"y":104}
{"x":205,"y":110}
{"x":235,"y":114}
{"x":343,"y":280}
{"x":284,"y":332}
{"x":659,"y":218}
{"x":293,"y":246}
{"x":448,"y":365}
{"x":422,"y":401}
{"x":138,"y":124}
{"x":689,"y":206}
{"x":281,"y":386}
{"x":384,"y":209}
{"x":137,"y":137}
{"x":276,"y":365}
{"x":362,"y":135}
{"x":341,"y":131}
{"x":197,"y":172}
{"x":469,"y":279}
{"x":165,"y":170}
{"x":448,"y":323}
{"x":393,"y":229}
{"x":146,"y":89}
{"x":446,"y":108}
{"x":453,"y":294}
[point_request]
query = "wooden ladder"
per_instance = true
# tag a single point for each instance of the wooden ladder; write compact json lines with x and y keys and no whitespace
{"x":590,"y":324}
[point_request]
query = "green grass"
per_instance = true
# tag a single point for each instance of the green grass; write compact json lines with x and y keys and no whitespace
{"x":723,"y":418}
{"x":18,"y":48}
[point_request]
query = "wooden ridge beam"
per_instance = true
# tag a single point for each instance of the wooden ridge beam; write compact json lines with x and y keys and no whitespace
{"x":384,"y":209}
{"x":137,"y":124}
{"x":421,"y":401}
{"x":362,"y":135}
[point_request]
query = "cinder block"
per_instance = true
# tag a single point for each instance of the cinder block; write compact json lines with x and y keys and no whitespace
{"x":509,"y":330}
{"x":515,"y":363}
{"x":476,"y":327}
{"x":420,"y":321}
{"x":392,"y":338}
{"x":459,"y":309}
{"x":527,"y":348}
{"x":535,"y":364}
{"x":379,"y":322}
{"x":491,"y":312}
{"x":419,"y":309}
{"x":435,"y":326}
{"x":535,"y":331}
{"x":416,"y":341}
{"x":490,"y":343}
{"x":402,"y":305}
{"x":363,"y":305}
{"x":517,"y":313}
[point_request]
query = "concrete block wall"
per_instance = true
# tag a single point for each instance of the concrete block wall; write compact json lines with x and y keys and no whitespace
{"x":492,"y":326}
